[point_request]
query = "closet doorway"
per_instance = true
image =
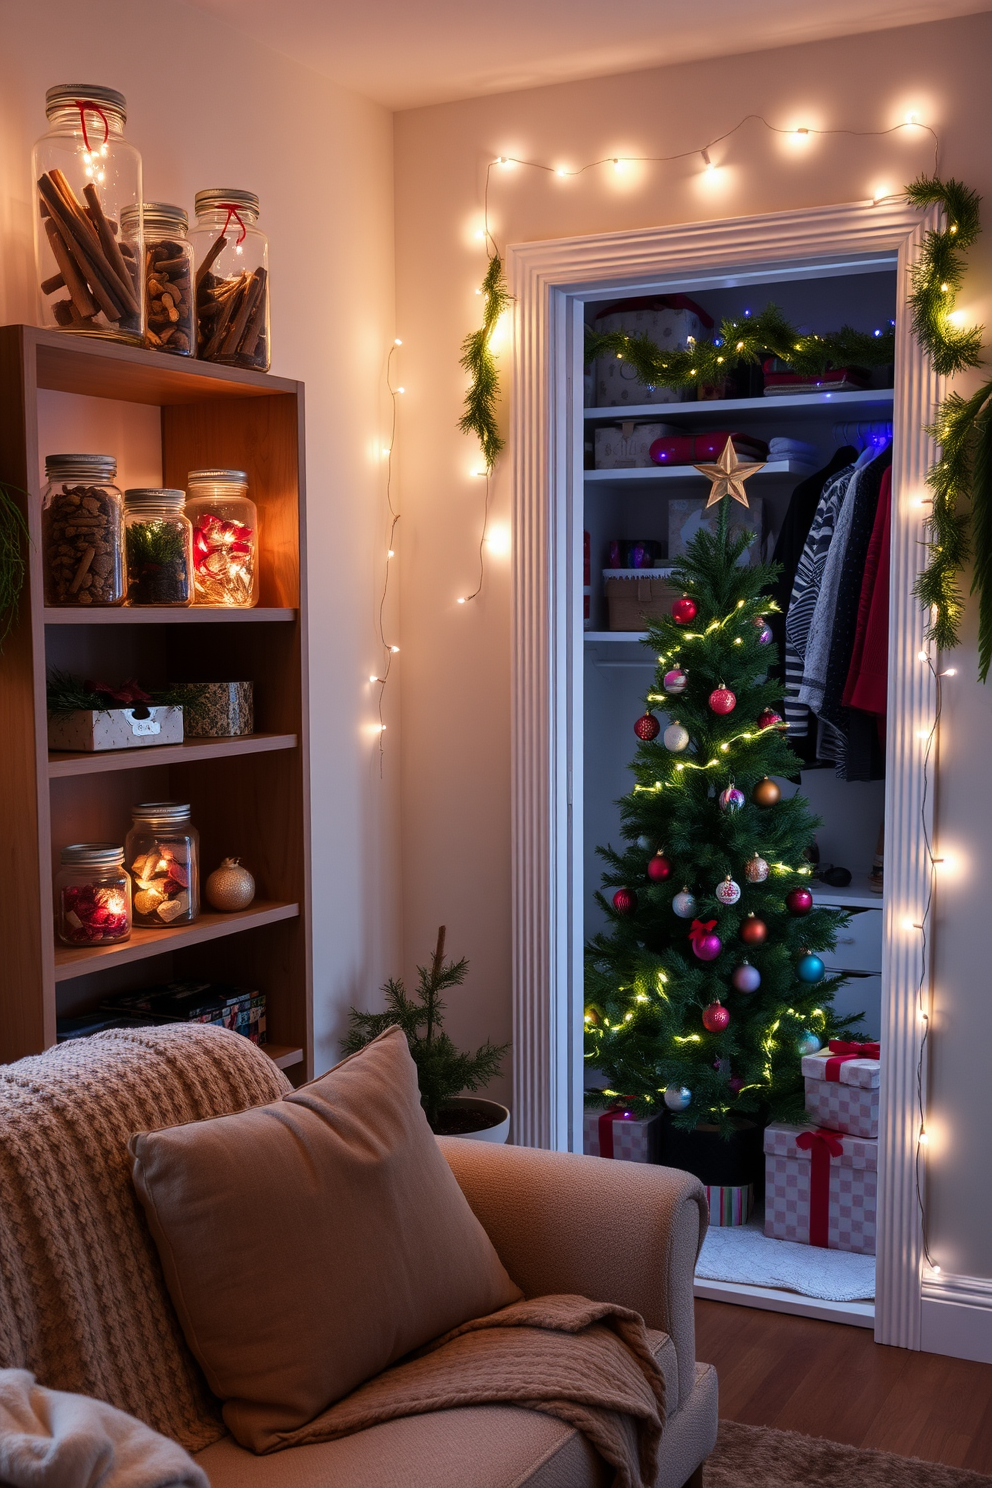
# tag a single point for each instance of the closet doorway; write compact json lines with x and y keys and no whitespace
{"x":577,"y":689}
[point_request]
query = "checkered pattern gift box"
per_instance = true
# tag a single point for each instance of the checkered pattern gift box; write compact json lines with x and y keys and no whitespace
{"x":618,"y":1133}
{"x":820,"y":1187}
{"x":842,"y":1087}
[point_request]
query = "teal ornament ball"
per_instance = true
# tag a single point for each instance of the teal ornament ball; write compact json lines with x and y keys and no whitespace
{"x":808,"y":1044}
{"x":810,"y":968}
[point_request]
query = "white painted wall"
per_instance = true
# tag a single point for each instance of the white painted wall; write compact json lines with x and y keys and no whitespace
{"x":456,"y":658}
{"x":207,"y":106}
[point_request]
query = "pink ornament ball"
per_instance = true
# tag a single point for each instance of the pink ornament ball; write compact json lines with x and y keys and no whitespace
{"x":715,"y":1017}
{"x":736,"y":1084}
{"x":731,"y":799}
{"x":659,"y":868}
{"x":722,"y":700}
{"x":707,"y":947}
{"x":625,"y":901}
{"x":684,"y":610}
{"x":647,"y":727}
{"x":768,"y":718}
{"x":764,"y":630}
{"x":799,"y":901}
{"x":676,"y":681}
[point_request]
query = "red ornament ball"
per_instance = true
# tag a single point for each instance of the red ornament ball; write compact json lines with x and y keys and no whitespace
{"x":769,"y":719}
{"x":722,"y":700}
{"x":684,"y":610}
{"x":799,"y":901}
{"x":647,"y":727}
{"x":715,"y":1017}
{"x":754,"y":931}
{"x":659,"y":868}
{"x":625,"y":901}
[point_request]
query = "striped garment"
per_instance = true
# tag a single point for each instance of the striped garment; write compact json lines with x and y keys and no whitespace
{"x":805,"y":592}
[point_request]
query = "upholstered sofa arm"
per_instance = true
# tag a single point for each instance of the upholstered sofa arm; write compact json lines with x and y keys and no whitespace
{"x":614,"y":1231}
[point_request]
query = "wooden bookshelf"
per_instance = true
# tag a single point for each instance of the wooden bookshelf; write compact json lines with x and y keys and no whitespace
{"x":249,"y":795}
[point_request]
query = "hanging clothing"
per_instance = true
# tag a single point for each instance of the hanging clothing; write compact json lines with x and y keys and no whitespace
{"x":868,"y":675}
{"x":805,"y":593}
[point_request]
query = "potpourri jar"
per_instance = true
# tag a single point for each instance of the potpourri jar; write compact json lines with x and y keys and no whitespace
{"x":93,"y":895}
{"x":225,"y":538}
{"x":162,"y":853}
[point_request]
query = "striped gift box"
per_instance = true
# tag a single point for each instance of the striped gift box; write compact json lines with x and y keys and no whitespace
{"x":730,"y":1206}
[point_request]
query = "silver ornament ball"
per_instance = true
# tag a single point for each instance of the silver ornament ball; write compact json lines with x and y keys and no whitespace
{"x":677,"y":1097}
{"x":684,"y":905}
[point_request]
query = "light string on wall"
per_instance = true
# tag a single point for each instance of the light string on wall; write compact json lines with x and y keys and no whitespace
{"x":962,"y":428}
{"x":389,"y":650}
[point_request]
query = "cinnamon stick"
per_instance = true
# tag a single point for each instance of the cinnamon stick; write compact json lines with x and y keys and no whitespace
{"x":49,"y":286}
{"x":109,"y":243}
{"x":120,"y":287}
{"x":216,"y":249}
{"x":220,"y":329}
{"x":236,"y":328}
{"x":84,"y":245}
{"x":70,"y":275}
{"x":256,"y":322}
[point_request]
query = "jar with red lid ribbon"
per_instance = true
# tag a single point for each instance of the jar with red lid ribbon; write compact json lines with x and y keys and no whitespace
{"x":225,"y":538}
{"x":232,"y":273}
{"x":87,"y":176}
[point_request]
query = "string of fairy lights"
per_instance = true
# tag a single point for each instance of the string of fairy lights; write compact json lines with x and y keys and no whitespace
{"x":940,"y":338}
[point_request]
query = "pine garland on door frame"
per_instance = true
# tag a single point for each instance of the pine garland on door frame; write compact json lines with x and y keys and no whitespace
{"x":962,"y":428}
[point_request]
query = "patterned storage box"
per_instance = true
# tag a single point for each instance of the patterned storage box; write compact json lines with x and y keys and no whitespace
{"x":625,"y":446}
{"x":219,"y":710}
{"x":820,"y":1188}
{"x":89,"y":730}
{"x":618,"y":1133}
{"x":842,"y":1087}
{"x":633,"y":594}
{"x":668,"y":326}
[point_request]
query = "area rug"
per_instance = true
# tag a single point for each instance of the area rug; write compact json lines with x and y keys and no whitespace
{"x":758,"y":1457}
{"x":743,"y":1253}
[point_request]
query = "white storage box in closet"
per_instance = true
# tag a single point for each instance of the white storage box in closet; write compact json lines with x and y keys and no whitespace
{"x":616,"y":381}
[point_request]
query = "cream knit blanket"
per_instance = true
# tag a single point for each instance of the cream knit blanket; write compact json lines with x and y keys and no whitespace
{"x":83,"y":1304}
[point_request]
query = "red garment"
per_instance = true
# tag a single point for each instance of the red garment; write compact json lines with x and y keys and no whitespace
{"x":867,"y":677}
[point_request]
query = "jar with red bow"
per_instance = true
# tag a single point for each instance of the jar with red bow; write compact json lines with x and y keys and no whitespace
{"x":232,"y":279}
{"x":87,"y":176}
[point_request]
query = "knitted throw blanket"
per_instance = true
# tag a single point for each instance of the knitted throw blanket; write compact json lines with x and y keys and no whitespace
{"x":588,"y":1363}
{"x":83,"y":1303}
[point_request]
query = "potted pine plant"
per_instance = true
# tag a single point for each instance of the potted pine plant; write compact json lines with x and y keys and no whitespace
{"x":443,"y":1071}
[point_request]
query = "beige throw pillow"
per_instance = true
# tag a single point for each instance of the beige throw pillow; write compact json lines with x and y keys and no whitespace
{"x":309,"y":1243}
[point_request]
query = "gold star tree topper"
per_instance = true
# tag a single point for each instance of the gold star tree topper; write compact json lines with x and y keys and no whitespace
{"x":728,"y":476}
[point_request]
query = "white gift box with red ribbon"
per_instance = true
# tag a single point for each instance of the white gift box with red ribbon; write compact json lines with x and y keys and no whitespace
{"x":842,"y":1087}
{"x":619,"y":1133}
{"x":821,"y":1187}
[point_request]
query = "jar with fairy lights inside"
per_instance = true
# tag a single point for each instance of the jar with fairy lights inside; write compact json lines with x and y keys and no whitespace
{"x":225,"y":538}
{"x":162,"y":853}
{"x":91,"y":268}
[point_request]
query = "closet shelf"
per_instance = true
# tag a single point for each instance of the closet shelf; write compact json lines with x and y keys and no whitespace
{"x":76,"y":961}
{"x":282,"y":1055}
{"x":689,"y":473}
{"x":195,"y":615}
{"x":792,"y":406}
{"x":62,"y":763}
{"x":857,"y":895}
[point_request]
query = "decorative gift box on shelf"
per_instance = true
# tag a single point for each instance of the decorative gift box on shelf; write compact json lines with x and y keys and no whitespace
{"x":686,"y":515}
{"x":820,"y":1187}
{"x":668,"y":321}
{"x":89,"y":730}
{"x":618,"y":1133}
{"x":693,"y":449}
{"x":241,"y":1009}
{"x":627,"y":446}
{"x":842,"y":1087}
{"x":218,"y":710}
{"x":635,"y":593}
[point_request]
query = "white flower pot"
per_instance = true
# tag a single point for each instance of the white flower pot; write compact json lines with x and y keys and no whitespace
{"x":498,"y":1115}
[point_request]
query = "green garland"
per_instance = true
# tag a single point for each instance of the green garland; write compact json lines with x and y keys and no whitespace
{"x":962,"y":426}
{"x":13,"y":562}
{"x":67,"y":693}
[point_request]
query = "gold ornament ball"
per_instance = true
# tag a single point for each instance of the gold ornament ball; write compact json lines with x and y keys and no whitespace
{"x":766,"y":793}
{"x":229,"y":887}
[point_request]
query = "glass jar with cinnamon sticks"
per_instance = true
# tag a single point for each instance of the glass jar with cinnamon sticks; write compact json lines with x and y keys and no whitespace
{"x":90,"y":271}
{"x":232,"y":272}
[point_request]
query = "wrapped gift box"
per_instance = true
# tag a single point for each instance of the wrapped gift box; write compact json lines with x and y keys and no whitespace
{"x":90,"y":730}
{"x":842,"y":1088}
{"x":730,"y":1206}
{"x":618,"y":1133}
{"x":626,"y":446}
{"x":820,"y":1188}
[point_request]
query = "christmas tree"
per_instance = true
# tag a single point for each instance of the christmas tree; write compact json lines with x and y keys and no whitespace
{"x":708,"y":985}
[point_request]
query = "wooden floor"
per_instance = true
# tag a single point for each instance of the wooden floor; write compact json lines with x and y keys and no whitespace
{"x":827,"y":1379}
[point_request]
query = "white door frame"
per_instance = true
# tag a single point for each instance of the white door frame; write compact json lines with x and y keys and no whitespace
{"x":548,"y":279}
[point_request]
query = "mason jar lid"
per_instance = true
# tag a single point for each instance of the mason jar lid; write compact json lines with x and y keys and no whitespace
{"x":93,"y":854}
{"x":158,"y":216}
{"x":147,"y":498}
{"x":217,"y":198}
{"x":64,"y":95}
{"x":87,"y":467}
{"x":217,"y":477}
{"x":167,"y":811}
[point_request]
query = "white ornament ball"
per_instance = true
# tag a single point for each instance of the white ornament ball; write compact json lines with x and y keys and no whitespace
{"x":684,"y":905}
{"x":677,"y":1097}
{"x":728,"y":892}
{"x":229,"y":887}
{"x":676,"y":738}
{"x":756,"y":870}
